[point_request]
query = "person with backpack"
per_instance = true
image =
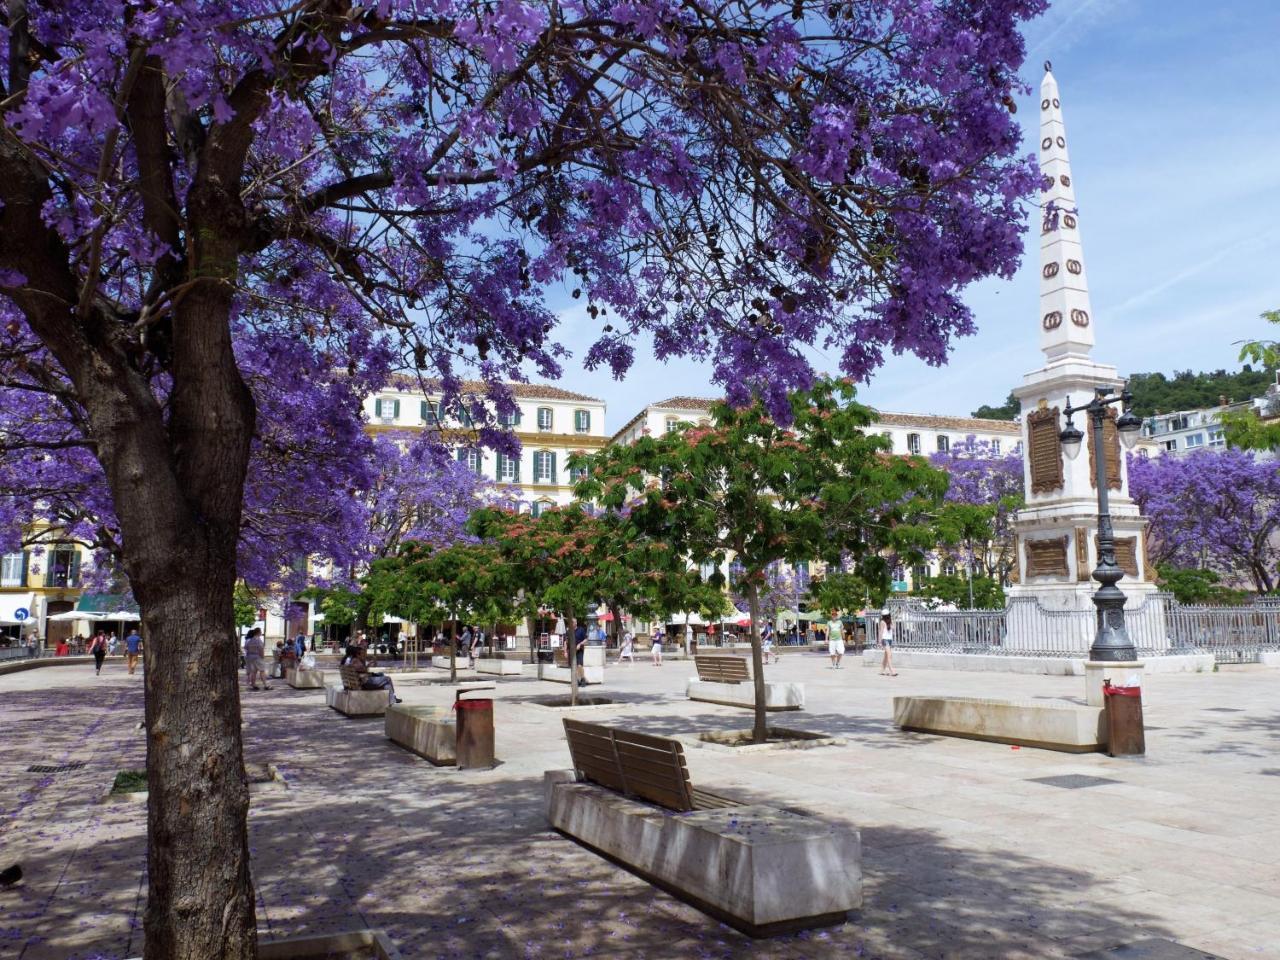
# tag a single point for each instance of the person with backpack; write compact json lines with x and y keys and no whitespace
{"x":98,"y":647}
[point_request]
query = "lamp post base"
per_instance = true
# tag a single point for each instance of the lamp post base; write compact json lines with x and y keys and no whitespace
{"x":1118,"y":672}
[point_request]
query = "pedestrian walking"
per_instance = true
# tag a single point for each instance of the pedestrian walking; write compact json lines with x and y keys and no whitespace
{"x":886,"y":641}
{"x":477,"y":642}
{"x":132,"y":647}
{"x":835,"y":639}
{"x":31,"y":646}
{"x":98,"y":647}
{"x":558,"y":631}
{"x":655,"y":647}
{"x":255,"y":649}
{"x":579,"y":652}
{"x":766,"y":644}
{"x":627,"y":650}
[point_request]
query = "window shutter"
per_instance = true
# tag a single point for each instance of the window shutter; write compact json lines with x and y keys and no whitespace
{"x":462,"y":454}
{"x":73,"y":570}
{"x":552,"y":457}
{"x":26,"y":564}
{"x":395,"y":409}
{"x":516,"y":463}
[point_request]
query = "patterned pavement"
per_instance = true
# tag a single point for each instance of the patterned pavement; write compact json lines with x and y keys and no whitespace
{"x":967,"y":852}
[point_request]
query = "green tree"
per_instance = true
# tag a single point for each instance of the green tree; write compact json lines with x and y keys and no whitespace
{"x":953,"y":588}
{"x":1008,"y":410}
{"x":1194,"y":586}
{"x":246,"y":605}
{"x":749,"y":488}
{"x":1246,"y":429}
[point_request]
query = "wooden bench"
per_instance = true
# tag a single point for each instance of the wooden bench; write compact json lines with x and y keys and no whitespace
{"x":351,"y":677}
{"x":722,"y":668}
{"x":764,"y":870}
{"x":351,"y":701}
{"x":637,"y":765}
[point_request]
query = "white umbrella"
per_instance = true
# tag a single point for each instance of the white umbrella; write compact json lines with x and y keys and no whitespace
{"x":77,"y":615}
{"x":318,"y":618}
{"x":120,"y":616}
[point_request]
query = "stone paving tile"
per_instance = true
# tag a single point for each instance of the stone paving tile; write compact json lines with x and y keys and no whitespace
{"x":964,"y":857}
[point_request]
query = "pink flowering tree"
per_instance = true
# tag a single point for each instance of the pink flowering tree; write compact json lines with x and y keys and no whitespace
{"x":196,"y":197}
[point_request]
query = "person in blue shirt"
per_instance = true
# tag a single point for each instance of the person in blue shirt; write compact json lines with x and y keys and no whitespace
{"x":132,"y":647}
{"x":579,"y":647}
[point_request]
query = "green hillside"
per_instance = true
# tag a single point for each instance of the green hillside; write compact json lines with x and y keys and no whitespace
{"x":1185,"y":390}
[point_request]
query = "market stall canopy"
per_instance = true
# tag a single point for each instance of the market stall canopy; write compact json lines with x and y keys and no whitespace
{"x":97,"y":602}
{"x":120,"y":616}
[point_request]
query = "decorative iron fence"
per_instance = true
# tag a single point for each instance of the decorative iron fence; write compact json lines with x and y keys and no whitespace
{"x":1158,"y":626}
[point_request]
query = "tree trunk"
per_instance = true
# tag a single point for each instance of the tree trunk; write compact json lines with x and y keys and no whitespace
{"x":571,"y":657}
{"x":200,"y":902}
{"x":760,"y":729}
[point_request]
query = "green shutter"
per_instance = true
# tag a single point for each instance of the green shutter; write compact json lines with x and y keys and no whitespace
{"x":395,"y":409}
{"x":462,"y":454}
{"x":553,"y":468}
{"x":26,"y":564}
{"x":73,"y":572}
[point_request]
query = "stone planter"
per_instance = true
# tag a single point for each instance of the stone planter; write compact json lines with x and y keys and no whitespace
{"x":303,"y":679}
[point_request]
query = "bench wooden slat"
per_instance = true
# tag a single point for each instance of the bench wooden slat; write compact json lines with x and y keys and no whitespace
{"x":702,"y":800}
{"x":635,"y":764}
{"x":721,"y":668}
{"x":350,"y":677}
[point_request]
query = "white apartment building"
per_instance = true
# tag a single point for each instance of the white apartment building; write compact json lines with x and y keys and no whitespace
{"x":1185,"y":431}
{"x":551,"y":423}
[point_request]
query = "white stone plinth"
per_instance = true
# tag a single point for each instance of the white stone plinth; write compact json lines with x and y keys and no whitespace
{"x":502,"y":668}
{"x":592,"y":667}
{"x":777,"y":695}
{"x":1053,"y":726}
{"x":357,"y":703}
{"x":1052,"y":666}
{"x":430,"y":732}
{"x":1121,"y":673}
{"x":1269,"y":659}
{"x":303,"y":679}
{"x":443,"y":663}
{"x":762,"y":869}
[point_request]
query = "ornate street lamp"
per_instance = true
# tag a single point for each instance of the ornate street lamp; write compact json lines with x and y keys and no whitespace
{"x":1111,"y":641}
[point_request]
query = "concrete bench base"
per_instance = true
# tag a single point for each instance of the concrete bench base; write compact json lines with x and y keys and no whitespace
{"x":502,"y":668}
{"x":357,"y":703}
{"x":777,"y":695}
{"x":557,"y":674}
{"x":761,"y":869}
{"x":443,"y":663}
{"x":430,"y":732}
{"x":1008,"y":663}
{"x":1065,"y":726}
{"x":301,"y":679}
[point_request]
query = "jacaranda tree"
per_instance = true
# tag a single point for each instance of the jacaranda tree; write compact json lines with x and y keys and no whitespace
{"x":328,"y":190}
{"x":983,"y":494}
{"x":1216,"y":510}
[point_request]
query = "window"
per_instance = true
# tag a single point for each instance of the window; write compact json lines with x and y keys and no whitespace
{"x":544,"y":467}
{"x":464,"y":416}
{"x":545,"y":419}
{"x":736,"y":570}
{"x":64,"y":567}
{"x":802,"y":574}
{"x":577,"y":473}
{"x":913,"y":443}
{"x":508,"y":469}
{"x":1217,"y":439}
{"x":430,"y":412}
{"x":919,"y":576}
{"x":1171,"y":444}
{"x":949,"y":568}
{"x":386,"y":409}
{"x":1195,"y":440}
{"x":512,"y":419}
{"x":672,"y":424}
{"x":471,"y":457}
{"x":13,"y":569}
{"x":944,"y":443}
{"x":1178,"y":423}
{"x":582,"y":421}
{"x":995,"y":447}
{"x":537,"y":508}
{"x":707,"y":570}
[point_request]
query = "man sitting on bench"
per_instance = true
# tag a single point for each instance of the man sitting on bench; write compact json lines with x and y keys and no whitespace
{"x":369,"y":681}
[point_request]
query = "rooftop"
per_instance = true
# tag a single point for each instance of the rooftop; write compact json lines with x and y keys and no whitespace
{"x":933,"y":422}
{"x":525,"y":391}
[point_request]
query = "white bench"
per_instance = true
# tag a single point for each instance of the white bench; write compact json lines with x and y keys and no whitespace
{"x":593,"y":657}
{"x":301,"y":678}
{"x":1054,"y":726}
{"x":501,"y":667}
{"x":759,"y":868}
{"x":430,"y":732}
{"x":351,"y":701}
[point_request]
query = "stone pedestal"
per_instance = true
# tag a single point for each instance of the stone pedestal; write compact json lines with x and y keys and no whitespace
{"x":761,"y":869}
{"x":303,"y":679}
{"x":778,"y":695}
{"x":1118,"y":672}
{"x":1037,"y":723}
{"x":501,"y":668}
{"x":430,"y":732}
{"x":357,"y":703}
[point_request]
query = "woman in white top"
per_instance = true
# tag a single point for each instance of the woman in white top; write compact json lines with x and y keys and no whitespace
{"x":886,"y":641}
{"x":559,"y":632}
{"x":627,"y":652}
{"x":835,"y":640}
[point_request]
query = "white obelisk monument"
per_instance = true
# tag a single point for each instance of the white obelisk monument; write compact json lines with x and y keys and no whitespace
{"x":1057,"y":529}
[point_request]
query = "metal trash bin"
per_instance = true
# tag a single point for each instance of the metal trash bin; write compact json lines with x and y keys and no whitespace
{"x":474,"y":746}
{"x":1125,"y":736}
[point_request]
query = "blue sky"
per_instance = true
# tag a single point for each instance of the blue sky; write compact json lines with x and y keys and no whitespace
{"x":1173,"y":114}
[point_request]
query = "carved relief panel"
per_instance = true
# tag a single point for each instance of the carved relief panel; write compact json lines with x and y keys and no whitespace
{"x":1044,"y":450}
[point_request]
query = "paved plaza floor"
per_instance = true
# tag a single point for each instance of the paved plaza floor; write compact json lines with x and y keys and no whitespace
{"x":967,"y":854}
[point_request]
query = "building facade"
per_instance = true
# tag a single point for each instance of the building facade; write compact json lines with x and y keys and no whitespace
{"x":43,"y":579}
{"x":551,"y":423}
{"x":1186,"y":431}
